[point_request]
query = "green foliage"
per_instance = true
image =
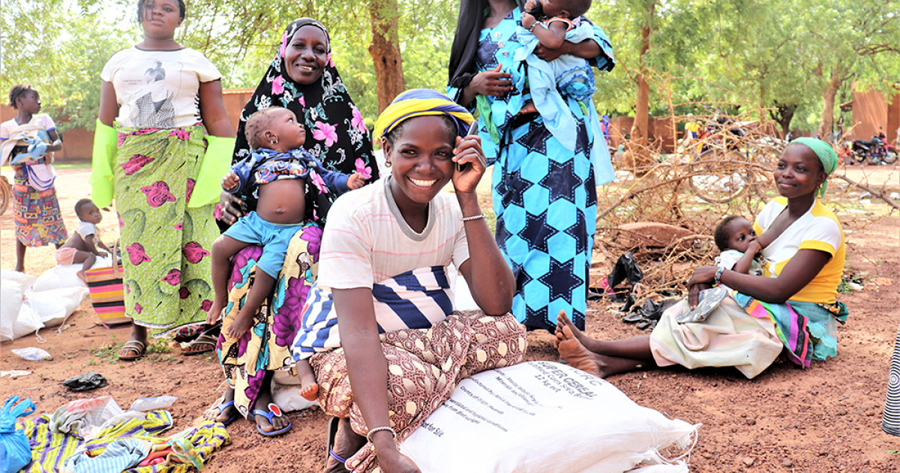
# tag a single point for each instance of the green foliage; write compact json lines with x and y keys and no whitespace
{"x":760,"y":54}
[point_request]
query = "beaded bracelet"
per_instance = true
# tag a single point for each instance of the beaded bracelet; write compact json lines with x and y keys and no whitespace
{"x":531,"y":28}
{"x":474,"y":217}
{"x":378,"y":429}
{"x":718,"y":277}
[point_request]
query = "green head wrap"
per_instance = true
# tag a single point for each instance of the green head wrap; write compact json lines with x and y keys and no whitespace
{"x":825,"y":153}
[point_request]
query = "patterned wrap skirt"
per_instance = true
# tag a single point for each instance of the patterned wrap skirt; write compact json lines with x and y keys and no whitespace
{"x":38,"y":219}
{"x":266,"y":346}
{"x":424,"y":366}
{"x":167,"y":244}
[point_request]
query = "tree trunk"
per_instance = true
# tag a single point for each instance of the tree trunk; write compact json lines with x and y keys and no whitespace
{"x":783,"y":114}
{"x":639,"y":131}
{"x":826,"y":126}
{"x":385,"y":51}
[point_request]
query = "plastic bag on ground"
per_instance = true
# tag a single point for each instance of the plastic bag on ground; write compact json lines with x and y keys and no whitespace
{"x":15,"y":452}
{"x":81,"y":417}
{"x":32,"y":353}
{"x":545,"y":417}
{"x":12,"y":293}
{"x":86,"y":382}
{"x":146,"y":404}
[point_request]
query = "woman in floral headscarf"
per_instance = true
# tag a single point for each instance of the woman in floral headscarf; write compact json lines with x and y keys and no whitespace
{"x":302,"y":78}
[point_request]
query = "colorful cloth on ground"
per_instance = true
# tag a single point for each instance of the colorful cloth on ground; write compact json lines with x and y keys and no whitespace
{"x":167,"y":271}
{"x":415,"y":299}
{"x":424,"y":366}
{"x":728,"y":337}
{"x":265,"y":166}
{"x":544,"y":195}
{"x":51,"y":450}
{"x":818,"y":229}
{"x":38,"y":219}
{"x":266,"y":346}
{"x":807,"y":330}
{"x":335,"y":132}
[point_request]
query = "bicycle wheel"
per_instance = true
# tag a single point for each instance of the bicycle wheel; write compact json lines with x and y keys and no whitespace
{"x":5,"y":194}
{"x":719,"y":176}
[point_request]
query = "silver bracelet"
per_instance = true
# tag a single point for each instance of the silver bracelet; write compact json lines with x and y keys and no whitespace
{"x":378,"y":429}
{"x":474,"y":217}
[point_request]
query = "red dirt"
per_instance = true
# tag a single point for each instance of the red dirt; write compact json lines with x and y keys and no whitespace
{"x":823,"y":419}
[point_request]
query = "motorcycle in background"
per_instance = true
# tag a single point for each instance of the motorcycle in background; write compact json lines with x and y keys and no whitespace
{"x":875,"y":151}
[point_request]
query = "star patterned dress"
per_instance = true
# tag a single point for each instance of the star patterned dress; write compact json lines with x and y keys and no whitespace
{"x":544,"y":195}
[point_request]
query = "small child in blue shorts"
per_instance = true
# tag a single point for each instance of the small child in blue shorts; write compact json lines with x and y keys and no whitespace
{"x":276,"y":173}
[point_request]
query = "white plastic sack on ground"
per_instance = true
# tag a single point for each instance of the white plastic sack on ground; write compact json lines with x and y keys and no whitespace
{"x":11,"y":293}
{"x":15,"y":322}
{"x":59,"y":277}
{"x":30,"y":303}
{"x":52,"y":307}
{"x":286,"y":393}
{"x":544,"y":417}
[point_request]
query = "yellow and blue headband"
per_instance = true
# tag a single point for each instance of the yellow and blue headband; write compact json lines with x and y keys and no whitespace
{"x":418,"y":103}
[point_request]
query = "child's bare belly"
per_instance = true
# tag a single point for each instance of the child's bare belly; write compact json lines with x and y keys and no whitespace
{"x":282,"y":201}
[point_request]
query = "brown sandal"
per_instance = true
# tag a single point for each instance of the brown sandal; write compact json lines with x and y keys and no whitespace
{"x":203,"y":344}
{"x":132,"y":350}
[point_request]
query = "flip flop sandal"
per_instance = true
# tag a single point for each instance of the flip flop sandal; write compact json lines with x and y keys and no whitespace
{"x":203,"y":344}
{"x":132,"y":346}
{"x":274,"y":411}
{"x":221,"y":406}
{"x":332,"y":434}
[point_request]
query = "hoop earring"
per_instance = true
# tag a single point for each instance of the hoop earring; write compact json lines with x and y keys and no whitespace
{"x":274,"y":142}
{"x":387,"y":164}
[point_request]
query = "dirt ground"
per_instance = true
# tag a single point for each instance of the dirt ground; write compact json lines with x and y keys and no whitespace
{"x":825,"y":419}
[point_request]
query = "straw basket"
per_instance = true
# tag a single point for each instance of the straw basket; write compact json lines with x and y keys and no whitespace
{"x":107,"y":297}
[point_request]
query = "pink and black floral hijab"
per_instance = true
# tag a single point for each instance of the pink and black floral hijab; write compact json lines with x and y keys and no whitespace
{"x":335,"y":133}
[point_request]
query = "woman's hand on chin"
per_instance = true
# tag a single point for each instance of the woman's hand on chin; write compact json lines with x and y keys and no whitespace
{"x":703,"y":278}
{"x":231,"y":208}
{"x":469,"y":157}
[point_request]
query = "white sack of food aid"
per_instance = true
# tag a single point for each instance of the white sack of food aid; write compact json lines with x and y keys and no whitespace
{"x":546,"y":417}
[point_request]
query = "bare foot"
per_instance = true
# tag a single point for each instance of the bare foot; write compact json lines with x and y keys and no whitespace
{"x":222,"y":411}
{"x":578,"y":356}
{"x":566,"y":329}
{"x":309,"y":392}
{"x":215,"y":311}
{"x":82,"y":276}
{"x":239,"y":326}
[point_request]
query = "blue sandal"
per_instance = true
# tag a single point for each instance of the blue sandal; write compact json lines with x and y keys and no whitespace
{"x":332,"y":433}
{"x":274,"y":411}
{"x":222,"y":405}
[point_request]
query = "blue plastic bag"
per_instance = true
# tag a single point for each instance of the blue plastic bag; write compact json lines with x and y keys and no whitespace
{"x":15,"y":452}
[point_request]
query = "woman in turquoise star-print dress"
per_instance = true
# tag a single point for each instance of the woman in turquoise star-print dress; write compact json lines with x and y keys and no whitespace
{"x":544,"y":195}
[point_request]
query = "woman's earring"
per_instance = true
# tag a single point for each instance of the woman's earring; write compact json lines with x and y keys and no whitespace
{"x":387,"y":164}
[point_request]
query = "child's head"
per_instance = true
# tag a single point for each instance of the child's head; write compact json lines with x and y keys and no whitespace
{"x":570,"y":9}
{"x":87,"y":211}
{"x":734,"y":233}
{"x":26,"y":97}
{"x":275,"y":128}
